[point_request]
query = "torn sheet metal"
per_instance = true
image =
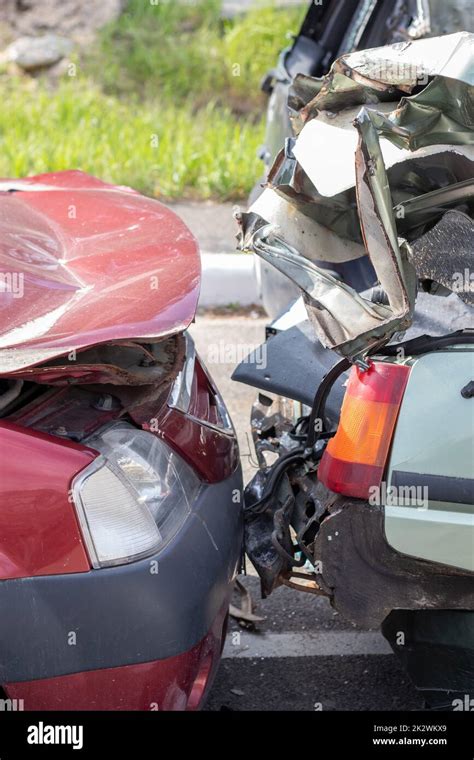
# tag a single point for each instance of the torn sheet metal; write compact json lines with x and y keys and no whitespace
{"x":313,"y":240}
{"x":407,"y":64}
{"x":331,"y":167}
{"x":421,"y":171}
{"x":355,"y":170}
{"x":289,"y":179}
{"x":128,"y":363}
{"x":440,"y":113}
{"x":342,"y":318}
{"x":371,"y":76}
{"x":374,"y":202}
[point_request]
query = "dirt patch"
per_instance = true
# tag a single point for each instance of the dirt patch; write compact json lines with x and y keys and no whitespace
{"x":77,"y":19}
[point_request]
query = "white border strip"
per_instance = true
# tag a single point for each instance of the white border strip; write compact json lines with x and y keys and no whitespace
{"x":320,"y":644}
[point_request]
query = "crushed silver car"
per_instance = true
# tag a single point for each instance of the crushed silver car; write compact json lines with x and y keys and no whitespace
{"x":368,"y":499}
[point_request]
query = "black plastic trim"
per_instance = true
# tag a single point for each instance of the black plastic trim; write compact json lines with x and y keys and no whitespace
{"x":440,"y":487}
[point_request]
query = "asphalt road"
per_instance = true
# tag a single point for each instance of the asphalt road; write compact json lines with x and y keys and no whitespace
{"x":303,"y":656}
{"x":219,"y":341}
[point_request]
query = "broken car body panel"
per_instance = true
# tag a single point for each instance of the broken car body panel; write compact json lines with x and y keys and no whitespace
{"x":94,"y":262}
{"x":439,"y":114}
{"x":369,"y":76}
{"x":120,"y":455}
{"x":409,"y":191}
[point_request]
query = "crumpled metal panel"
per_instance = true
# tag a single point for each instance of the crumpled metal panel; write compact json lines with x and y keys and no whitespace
{"x":368,"y":76}
{"x":331,"y":169}
{"x":410,"y":174}
{"x":442,"y":113}
{"x":125,"y":363}
{"x":377,"y":221}
{"x":312,"y":239}
{"x":342,"y":318}
{"x":402,"y":151}
{"x":96,"y":263}
{"x":321,"y":183}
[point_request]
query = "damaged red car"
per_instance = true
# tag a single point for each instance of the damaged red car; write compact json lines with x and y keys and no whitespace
{"x":120,"y":482}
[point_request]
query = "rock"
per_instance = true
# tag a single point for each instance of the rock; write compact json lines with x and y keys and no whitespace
{"x":32,"y":53}
{"x":75,"y":19}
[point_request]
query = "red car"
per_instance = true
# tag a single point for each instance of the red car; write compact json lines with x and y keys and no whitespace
{"x":120,"y":482}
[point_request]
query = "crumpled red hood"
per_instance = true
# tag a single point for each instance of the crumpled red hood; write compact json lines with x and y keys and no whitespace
{"x":83,"y":262}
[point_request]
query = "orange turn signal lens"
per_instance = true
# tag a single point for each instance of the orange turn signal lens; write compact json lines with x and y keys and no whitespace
{"x":355,"y":458}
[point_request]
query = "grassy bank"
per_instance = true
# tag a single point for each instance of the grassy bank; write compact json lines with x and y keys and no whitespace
{"x":166,"y":101}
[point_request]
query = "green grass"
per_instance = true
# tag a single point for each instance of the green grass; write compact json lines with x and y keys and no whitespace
{"x":204,"y":154}
{"x":167,"y":101}
{"x":186,"y":50}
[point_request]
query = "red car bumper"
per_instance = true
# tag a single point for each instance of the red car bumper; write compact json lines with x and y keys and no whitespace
{"x":176,"y":683}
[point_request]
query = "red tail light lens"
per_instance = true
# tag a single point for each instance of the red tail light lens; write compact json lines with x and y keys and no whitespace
{"x":355,"y":458}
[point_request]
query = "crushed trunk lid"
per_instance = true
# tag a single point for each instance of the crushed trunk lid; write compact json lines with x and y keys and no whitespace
{"x":398,"y":121}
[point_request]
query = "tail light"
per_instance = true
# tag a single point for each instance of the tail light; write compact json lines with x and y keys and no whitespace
{"x":355,"y":458}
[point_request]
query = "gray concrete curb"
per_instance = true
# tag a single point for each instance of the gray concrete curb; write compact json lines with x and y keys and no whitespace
{"x":228,"y":278}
